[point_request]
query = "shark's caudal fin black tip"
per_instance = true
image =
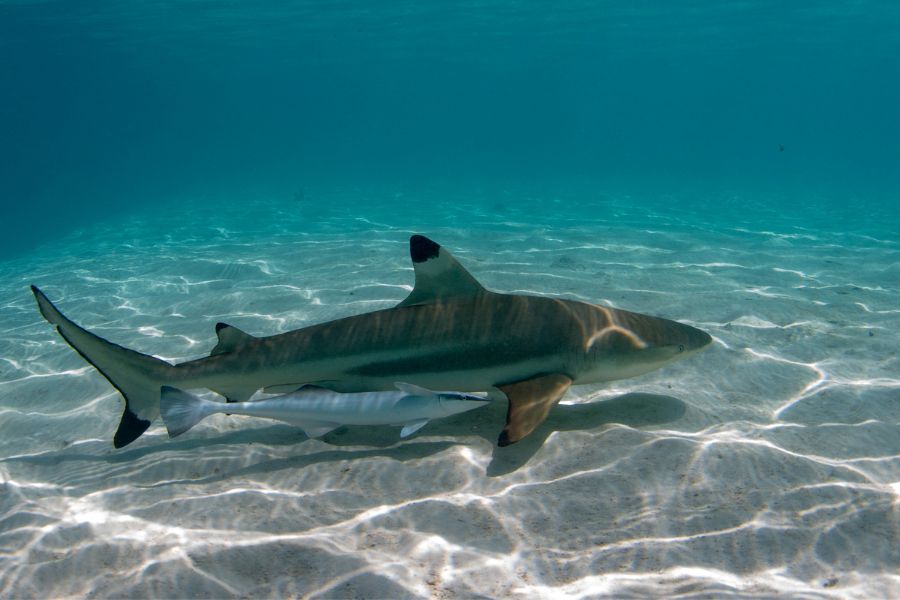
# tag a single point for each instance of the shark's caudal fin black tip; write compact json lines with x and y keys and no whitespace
{"x":422,"y":249}
{"x":137,"y":376}
{"x":130,"y":428}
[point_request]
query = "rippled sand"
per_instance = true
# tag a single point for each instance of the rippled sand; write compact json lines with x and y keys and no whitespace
{"x":768,"y":464}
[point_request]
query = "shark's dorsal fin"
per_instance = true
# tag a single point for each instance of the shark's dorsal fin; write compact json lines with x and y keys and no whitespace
{"x":230,"y":337}
{"x":438,"y":275}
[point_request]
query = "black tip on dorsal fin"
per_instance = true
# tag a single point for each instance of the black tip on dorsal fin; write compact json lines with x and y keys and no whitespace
{"x":438,"y":275}
{"x":230,"y":337}
{"x":422,"y":249}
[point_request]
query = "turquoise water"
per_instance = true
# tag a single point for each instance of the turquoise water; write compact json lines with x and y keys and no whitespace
{"x":108,"y":109}
{"x":733,"y":166}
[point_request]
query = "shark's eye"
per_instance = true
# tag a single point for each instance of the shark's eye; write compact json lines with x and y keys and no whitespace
{"x":681,"y":347}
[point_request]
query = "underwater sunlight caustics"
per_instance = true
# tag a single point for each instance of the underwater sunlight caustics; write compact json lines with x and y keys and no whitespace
{"x":450,"y":333}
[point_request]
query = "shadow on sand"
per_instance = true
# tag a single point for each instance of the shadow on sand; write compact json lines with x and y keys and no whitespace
{"x":635,"y":410}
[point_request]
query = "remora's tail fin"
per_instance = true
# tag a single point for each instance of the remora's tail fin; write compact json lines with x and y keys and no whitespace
{"x":181,"y":410}
{"x":138,"y":377}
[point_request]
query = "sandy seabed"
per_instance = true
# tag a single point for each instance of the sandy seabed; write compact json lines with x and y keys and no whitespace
{"x":767,"y":465}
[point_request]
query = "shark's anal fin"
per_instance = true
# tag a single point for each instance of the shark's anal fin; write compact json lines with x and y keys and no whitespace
{"x":230,"y":338}
{"x":529,"y":403}
{"x":438,"y":275}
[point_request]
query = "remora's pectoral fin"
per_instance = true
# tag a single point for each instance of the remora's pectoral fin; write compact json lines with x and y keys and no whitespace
{"x":230,"y":338}
{"x":438,"y":275}
{"x":529,"y":403}
{"x":411,"y":428}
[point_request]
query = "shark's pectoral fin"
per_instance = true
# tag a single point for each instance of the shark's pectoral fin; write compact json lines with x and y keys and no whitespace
{"x":411,"y":428}
{"x":316,"y":429}
{"x":529,"y":403}
{"x":230,"y":338}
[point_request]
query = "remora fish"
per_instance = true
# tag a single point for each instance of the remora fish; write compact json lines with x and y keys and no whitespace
{"x":449,"y":333}
{"x":318,"y":410}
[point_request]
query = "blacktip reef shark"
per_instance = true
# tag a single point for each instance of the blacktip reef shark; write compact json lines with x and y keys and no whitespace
{"x":450,"y":333}
{"x":318,"y":410}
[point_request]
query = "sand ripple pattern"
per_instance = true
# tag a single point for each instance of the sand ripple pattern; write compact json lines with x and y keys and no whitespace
{"x":769,"y":464}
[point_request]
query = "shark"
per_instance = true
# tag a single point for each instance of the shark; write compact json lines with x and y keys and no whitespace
{"x":318,"y":410}
{"x":450,"y":332}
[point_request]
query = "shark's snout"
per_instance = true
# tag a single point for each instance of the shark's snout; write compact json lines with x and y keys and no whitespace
{"x":651,"y":333}
{"x":692,"y":339}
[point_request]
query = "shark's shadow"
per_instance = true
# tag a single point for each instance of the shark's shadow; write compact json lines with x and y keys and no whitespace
{"x":105,"y":460}
{"x":636,"y":410}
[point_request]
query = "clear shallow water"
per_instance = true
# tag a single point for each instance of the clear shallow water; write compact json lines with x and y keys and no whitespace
{"x":171,"y":165}
{"x":767,"y":464}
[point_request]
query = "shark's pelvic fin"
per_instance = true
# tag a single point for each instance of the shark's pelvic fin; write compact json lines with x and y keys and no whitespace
{"x":438,"y":275}
{"x":137,"y":376}
{"x":529,"y":403}
{"x":230,"y":338}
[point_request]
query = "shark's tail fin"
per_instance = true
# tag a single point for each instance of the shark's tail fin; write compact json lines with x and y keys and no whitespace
{"x":138,"y":377}
{"x":181,"y":410}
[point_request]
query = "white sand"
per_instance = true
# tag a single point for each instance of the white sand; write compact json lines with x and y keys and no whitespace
{"x":769,"y":464}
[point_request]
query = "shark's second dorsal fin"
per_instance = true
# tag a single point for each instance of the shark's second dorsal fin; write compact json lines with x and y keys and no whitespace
{"x":230,"y":337}
{"x":438,"y":275}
